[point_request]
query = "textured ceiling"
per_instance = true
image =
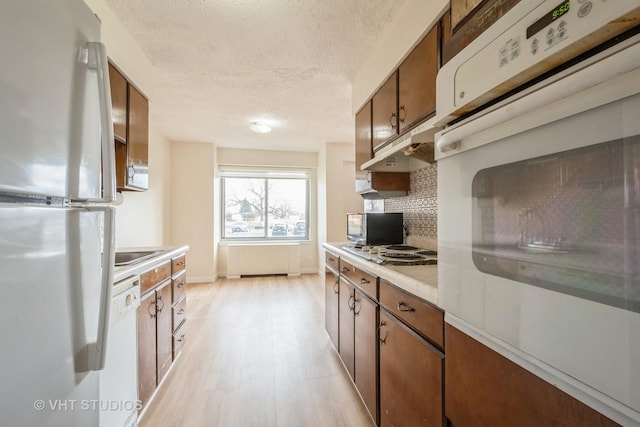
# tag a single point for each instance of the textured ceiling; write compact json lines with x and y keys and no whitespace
{"x":222,"y":64}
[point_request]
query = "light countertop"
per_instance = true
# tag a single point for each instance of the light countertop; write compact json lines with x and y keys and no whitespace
{"x":164,"y":253}
{"x":419,"y":280}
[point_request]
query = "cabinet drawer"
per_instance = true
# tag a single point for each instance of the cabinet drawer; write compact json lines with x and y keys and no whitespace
{"x":178,"y":286}
{"x":179,"y":311}
{"x":332,"y":261}
{"x":178,"y":264}
{"x":425,"y":318}
{"x":153,"y":277}
{"x":365,"y":281}
{"x":179,"y":338}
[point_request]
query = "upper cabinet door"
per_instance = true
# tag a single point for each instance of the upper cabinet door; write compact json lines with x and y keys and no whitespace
{"x":364,"y":149}
{"x":385,"y":112}
{"x":417,"y":81}
{"x":138,"y":141}
{"x":460,"y":9}
{"x":118,"y":103}
{"x":466,"y":20}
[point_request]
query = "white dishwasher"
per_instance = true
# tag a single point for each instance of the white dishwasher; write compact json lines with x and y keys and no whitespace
{"x":119,"y":380}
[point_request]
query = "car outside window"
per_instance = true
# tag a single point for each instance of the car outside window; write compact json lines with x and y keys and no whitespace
{"x":264,"y":205}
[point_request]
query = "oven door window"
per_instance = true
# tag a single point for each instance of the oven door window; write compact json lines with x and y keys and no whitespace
{"x":568,"y":222}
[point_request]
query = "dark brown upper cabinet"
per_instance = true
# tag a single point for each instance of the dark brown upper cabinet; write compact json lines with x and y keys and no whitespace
{"x":385,"y":112}
{"x":137,"y":176}
{"x":466,"y":20}
{"x":118,"y":103}
{"x":409,"y":94}
{"x":364,"y":149}
{"x":417,"y":82}
{"x":131,"y":131}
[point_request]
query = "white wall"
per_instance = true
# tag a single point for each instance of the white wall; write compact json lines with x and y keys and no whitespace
{"x":340,"y":196}
{"x":192,"y":201}
{"x":413,"y":20}
{"x":143,"y":217}
{"x":123,"y":50}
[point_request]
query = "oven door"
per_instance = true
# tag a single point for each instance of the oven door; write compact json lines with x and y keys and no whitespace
{"x":539,"y":238}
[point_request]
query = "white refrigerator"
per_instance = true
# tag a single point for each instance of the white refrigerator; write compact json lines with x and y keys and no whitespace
{"x":56,"y":212}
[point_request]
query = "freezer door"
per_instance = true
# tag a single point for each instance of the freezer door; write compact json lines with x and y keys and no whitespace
{"x":50,"y":111}
{"x":50,"y":270}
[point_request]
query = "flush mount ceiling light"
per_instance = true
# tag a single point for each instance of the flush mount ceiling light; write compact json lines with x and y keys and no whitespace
{"x":259,"y":127}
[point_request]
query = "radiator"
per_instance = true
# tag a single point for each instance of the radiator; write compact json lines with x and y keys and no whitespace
{"x":264,"y":258}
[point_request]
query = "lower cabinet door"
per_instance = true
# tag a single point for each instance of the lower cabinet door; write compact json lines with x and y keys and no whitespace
{"x":146,"y":315}
{"x":347,"y":326}
{"x":164,"y":332}
{"x":411,"y":377}
{"x":366,"y":351}
{"x":331,"y":301}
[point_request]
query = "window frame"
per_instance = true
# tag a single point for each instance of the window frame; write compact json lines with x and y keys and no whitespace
{"x":265,"y":174}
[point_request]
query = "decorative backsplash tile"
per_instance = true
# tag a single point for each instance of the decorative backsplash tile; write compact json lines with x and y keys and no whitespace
{"x":420,"y":206}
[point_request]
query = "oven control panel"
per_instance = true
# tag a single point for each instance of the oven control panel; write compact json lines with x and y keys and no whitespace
{"x":529,"y":40}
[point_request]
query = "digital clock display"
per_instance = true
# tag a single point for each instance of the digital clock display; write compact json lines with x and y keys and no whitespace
{"x":548,"y":18}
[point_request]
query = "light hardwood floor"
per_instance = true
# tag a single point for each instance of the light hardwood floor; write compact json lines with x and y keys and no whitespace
{"x":257,"y":354}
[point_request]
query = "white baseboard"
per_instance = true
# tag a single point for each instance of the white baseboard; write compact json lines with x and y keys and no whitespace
{"x":201,"y":279}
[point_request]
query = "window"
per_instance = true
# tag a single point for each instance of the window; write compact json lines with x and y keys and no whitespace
{"x":265,"y":205}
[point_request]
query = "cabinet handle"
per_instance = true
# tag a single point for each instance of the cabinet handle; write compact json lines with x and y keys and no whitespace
{"x":393,"y":121}
{"x":382,"y":340}
{"x":160,"y":300}
{"x":351,"y":307}
{"x":155,"y":309}
{"x":401,"y":118}
{"x":181,"y":338}
{"x":181,"y":311}
{"x":345,"y":269}
{"x":336,"y":287}
{"x":364,"y":281}
{"x":355,"y":301}
{"x":404,"y":307}
{"x":331,"y":259}
{"x":181,"y":263}
{"x":181,"y":284}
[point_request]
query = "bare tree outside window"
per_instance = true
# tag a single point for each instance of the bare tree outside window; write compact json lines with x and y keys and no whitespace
{"x":265,"y":208}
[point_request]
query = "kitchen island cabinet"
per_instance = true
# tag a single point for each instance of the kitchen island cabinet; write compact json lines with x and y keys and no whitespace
{"x":397,"y":370}
{"x":485,"y":389}
{"x":366,"y":351}
{"x":179,"y":311}
{"x":477,"y":385}
{"x":146,"y":347}
{"x":163,"y":329}
{"x":163,"y":302}
{"x":398,"y":343}
{"x":411,"y":367}
{"x":153,"y":330}
{"x":332,"y":297}
{"x":346,"y":326}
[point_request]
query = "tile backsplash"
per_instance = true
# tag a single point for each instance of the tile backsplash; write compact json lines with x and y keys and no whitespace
{"x":420,"y":206}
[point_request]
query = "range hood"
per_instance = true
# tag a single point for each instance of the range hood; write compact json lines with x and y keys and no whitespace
{"x":382,"y":185}
{"x":411,"y":151}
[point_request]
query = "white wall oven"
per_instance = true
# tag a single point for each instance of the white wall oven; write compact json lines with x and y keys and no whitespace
{"x":539,"y":196}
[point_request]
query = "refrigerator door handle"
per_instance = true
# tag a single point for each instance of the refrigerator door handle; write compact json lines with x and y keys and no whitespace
{"x":98,"y":351}
{"x":97,"y":61}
